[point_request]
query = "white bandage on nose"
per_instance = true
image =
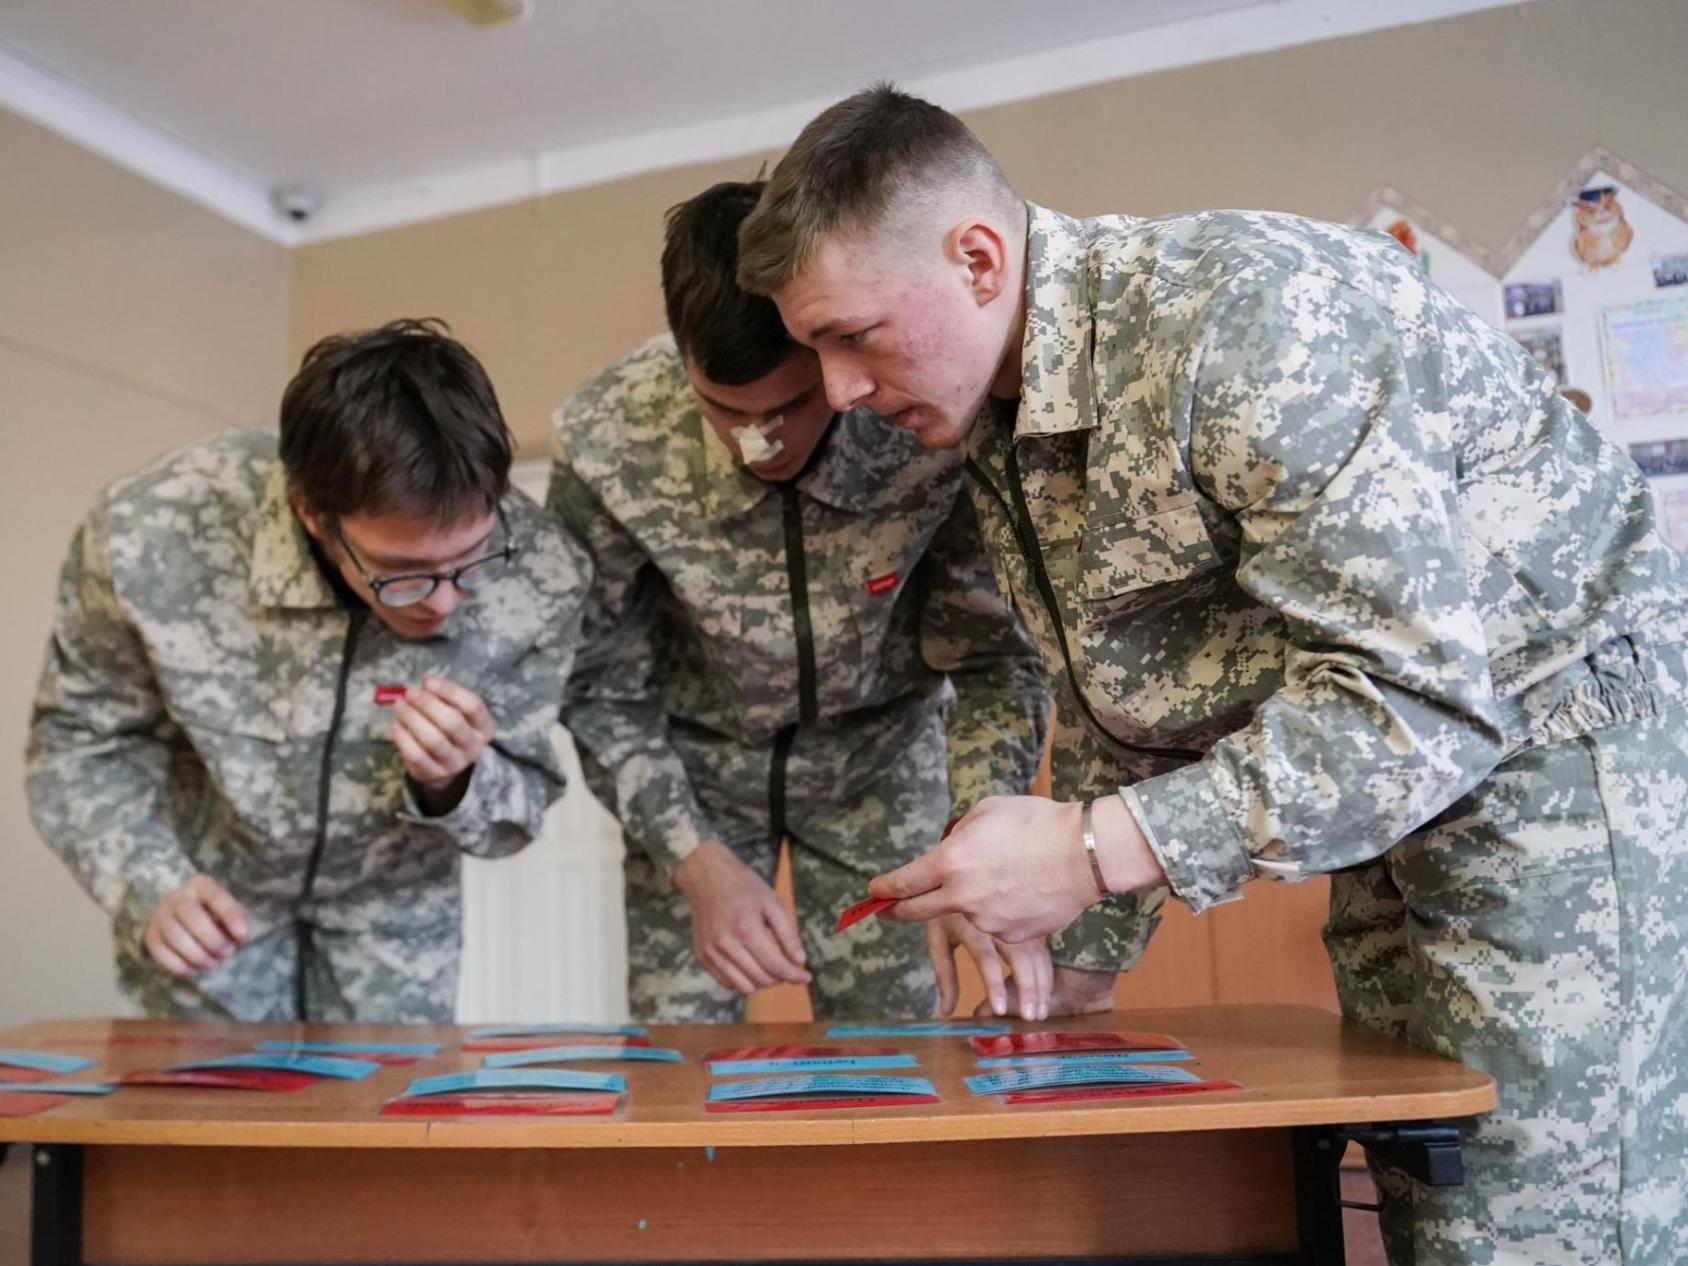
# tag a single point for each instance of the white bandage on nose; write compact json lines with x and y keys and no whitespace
{"x":753,"y":442}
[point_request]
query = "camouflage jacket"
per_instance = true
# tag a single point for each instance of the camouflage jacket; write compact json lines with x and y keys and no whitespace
{"x":832,"y":612}
{"x":206,"y":706}
{"x":1311,"y":546}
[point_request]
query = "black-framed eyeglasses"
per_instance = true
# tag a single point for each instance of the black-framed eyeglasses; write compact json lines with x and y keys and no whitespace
{"x":404,"y":589}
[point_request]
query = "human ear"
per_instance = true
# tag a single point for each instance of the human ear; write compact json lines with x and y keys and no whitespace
{"x":977,"y":247}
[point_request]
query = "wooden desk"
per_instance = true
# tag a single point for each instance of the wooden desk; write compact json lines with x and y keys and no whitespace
{"x":154,"y":1175}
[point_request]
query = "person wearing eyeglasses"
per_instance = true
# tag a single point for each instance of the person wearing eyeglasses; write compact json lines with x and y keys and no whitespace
{"x":291,"y":678}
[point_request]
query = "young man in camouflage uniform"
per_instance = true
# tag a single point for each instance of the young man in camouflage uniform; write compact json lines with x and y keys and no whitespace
{"x":1335,"y":582}
{"x":800,"y":638}
{"x":206,"y":752}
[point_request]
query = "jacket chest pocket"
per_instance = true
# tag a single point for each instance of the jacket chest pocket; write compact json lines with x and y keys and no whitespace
{"x":1139,"y":581}
{"x":1126,"y":555}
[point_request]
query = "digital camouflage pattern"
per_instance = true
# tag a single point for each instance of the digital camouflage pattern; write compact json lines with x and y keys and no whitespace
{"x":1346,"y":586}
{"x":689,"y":704}
{"x":202,"y":680}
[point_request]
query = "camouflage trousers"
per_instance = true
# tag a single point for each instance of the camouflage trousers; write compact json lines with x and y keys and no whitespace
{"x":353,"y":972}
{"x":1538,"y":930}
{"x":844,"y":825}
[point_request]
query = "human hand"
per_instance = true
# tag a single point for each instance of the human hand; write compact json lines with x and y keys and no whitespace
{"x":1025,"y":994}
{"x":440,"y":729}
{"x":741,"y":931}
{"x":195,"y":927}
{"x":1016,"y":867}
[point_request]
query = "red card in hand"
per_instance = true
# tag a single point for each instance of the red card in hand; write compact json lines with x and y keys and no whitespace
{"x":570,"y":1104}
{"x":23,"y":1103}
{"x":794,"y":1052}
{"x":1079,"y":1094}
{"x":861,"y":910}
{"x":388,"y":694}
{"x":796,"y":1104}
{"x":223,"y":1078}
{"x":1055,"y":1043}
{"x":489,"y":1045}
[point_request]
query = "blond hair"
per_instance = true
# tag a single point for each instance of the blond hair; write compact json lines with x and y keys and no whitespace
{"x":854,"y":163}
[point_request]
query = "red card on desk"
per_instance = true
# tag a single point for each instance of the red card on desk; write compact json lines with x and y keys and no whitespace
{"x":489,"y":1045}
{"x":810,"y":1105}
{"x":222,"y":1078}
{"x":11,"y":1072}
{"x":23,"y":1103}
{"x":1055,"y":1043}
{"x":1080,"y":1094}
{"x":861,"y":910}
{"x":794,"y":1052}
{"x":525,"y":1105}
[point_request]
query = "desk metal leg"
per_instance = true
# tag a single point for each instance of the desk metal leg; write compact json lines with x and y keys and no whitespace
{"x":1318,"y":1195}
{"x":55,"y":1235}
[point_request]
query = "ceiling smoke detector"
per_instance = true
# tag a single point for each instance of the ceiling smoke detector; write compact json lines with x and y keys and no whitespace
{"x":492,"y":12}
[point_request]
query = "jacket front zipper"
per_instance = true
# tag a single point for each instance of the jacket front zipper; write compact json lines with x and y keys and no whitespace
{"x":797,"y":577}
{"x":1019,"y":517}
{"x":302,"y":927}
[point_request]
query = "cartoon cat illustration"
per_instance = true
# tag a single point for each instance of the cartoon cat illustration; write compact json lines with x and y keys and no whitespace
{"x":1602,"y":234}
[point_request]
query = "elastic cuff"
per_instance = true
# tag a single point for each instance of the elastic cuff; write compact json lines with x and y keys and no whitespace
{"x":453,"y":822}
{"x":1111,"y":935}
{"x":668,"y":843}
{"x":1196,"y":844}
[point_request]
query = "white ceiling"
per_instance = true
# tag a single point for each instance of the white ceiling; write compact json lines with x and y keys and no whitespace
{"x":400,"y":109}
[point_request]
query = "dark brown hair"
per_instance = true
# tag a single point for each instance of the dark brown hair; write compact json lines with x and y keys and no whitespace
{"x":401,"y":418}
{"x":732,"y":337}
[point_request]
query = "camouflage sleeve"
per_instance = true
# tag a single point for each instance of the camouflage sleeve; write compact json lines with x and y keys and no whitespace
{"x":1322,"y":425}
{"x":969,"y":630}
{"x":613,"y":708}
{"x":101,"y":744}
{"x":1112,"y":934}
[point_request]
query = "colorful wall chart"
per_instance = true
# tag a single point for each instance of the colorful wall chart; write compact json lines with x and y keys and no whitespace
{"x":1594,"y":284}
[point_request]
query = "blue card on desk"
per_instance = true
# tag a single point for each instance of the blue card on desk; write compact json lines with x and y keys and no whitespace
{"x":1077,"y":1075}
{"x":932,"y":1028}
{"x":489,"y":1079}
{"x":780,"y":1087}
{"x":811,"y":1064}
{"x":561,"y":1030}
{"x":57,"y":1087}
{"x":1087,"y":1057}
{"x":351,"y":1048}
{"x":281,"y":1061}
{"x":567,"y":1054}
{"x":45,"y":1061}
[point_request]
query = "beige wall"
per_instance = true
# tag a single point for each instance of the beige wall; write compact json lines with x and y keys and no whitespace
{"x":1478,"y":117}
{"x":132,"y":321}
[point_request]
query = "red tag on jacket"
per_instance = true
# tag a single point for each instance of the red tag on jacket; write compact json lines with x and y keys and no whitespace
{"x":883,"y":584}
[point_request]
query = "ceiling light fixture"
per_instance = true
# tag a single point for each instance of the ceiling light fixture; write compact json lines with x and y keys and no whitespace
{"x":492,"y":12}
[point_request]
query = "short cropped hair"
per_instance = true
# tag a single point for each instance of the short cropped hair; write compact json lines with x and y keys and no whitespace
{"x":732,"y":337}
{"x":850,"y":165}
{"x":401,"y":418}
